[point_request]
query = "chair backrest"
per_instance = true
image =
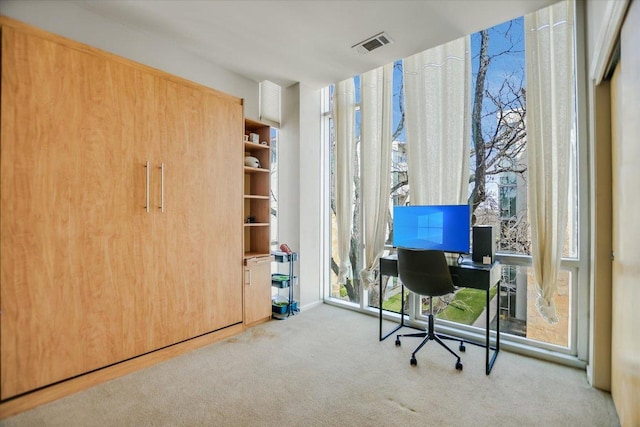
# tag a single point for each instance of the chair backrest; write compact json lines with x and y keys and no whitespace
{"x":425,"y":272}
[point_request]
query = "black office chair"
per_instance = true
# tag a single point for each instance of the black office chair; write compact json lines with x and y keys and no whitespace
{"x":426,"y":272}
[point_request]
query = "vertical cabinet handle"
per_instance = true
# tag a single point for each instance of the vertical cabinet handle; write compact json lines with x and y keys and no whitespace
{"x":146,"y":190}
{"x":161,"y":187}
{"x":245,"y":277}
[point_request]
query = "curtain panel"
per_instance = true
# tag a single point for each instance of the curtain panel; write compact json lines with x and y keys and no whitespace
{"x":375,"y":152}
{"x":344,"y":128}
{"x":550,"y":118}
{"x":438,"y":123}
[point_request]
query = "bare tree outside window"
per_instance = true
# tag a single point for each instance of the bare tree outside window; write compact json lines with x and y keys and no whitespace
{"x":497,"y":146}
{"x":498,"y":150}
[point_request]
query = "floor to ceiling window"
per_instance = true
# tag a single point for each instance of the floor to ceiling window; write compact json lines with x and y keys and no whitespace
{"x":274,"y":188}
{"x":497,"y":196}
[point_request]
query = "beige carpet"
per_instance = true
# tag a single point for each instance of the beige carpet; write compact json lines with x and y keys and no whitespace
{"x":326,"y":367}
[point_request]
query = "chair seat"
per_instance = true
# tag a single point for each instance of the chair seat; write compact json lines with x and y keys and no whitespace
{"x":426,"y":272}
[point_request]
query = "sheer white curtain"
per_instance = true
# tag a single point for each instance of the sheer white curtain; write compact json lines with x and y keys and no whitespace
{"x":437,"y":87}
{"x":550,"y":118}
{"x":375,"y":148}
{"x":343,"y":123}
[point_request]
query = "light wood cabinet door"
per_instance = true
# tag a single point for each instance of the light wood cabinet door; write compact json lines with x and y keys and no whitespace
{"x":68,"y":197}
{"x":200,"y":224}
{"x":147,"y":310}
{"x":257,"y":290}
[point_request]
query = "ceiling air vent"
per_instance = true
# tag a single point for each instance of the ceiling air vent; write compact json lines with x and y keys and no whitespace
{"x":372,"y":43}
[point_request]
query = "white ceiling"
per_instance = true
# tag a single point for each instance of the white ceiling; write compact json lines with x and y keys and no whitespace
{"x":288,"y":41}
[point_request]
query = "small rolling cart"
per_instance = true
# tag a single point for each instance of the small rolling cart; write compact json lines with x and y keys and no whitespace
{"x":283,"y":306}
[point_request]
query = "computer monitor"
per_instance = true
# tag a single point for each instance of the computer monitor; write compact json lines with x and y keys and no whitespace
{"x":442,"y":227}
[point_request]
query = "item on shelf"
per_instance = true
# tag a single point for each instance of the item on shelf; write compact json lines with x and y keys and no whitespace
{"x":246,"y":138}
{"x":286,"y":249}
{"x":254,"y":137}
{"x":279,"y":307}
{"x":284,"y":257}
{"x":250,"y":219}
{"x":251,"y":162}
{"x":279,"y":280}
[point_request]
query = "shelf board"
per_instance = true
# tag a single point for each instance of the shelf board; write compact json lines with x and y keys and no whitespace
{"x":256,"y":196}
{"x":254,"y":260}
{"x":249,"y":169}
{"x":256,"y":224}
{"x":255,"y":254}
{"x":253,"y":146}
{"x":285,"y":257}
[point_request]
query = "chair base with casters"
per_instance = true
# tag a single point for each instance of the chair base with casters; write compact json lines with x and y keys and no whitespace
{"x":430,"y":334}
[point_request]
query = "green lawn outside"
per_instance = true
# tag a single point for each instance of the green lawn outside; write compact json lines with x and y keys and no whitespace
{"x":393,"y":303}
{"x":465,"y":307}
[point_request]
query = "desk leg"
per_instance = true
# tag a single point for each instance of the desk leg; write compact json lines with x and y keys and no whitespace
{"x":488,"y":331}
{"x":499,"y":285}
{"x":380,"y":312}
{"x":496,"y":349}
{"x":380,"y":307}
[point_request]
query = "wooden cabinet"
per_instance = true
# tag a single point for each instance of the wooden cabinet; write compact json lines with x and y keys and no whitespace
{"x":198,"y":242}
{"x":119,"y":217}
{"x":257,"y":190}
{"x":257,"y":237}
{"x":67,"y":209}
{"x":257,"y":290}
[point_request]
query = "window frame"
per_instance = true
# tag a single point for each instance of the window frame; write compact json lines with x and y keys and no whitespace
{"x":576,"y":353}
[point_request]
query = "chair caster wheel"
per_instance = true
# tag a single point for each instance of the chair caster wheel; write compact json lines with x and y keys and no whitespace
{"x":459,"y":366}
{"x":397,"y":342}
{"x":413,"y":361}
{"x":462,"y":348}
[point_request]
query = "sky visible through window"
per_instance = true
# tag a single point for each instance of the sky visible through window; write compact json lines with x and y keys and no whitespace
{"x":506,"y":49}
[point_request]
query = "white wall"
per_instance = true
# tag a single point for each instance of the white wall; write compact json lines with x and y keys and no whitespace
{"x":68,"y":19}
{"x":595,"y":15}
{"x":625,"y":152}
{"x":311,"y":209}
{"x":288,"y":179}
{"x":299,"y":189}
{"x":603,"y":21}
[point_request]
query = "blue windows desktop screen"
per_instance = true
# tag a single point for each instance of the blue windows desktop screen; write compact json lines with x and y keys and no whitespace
{"x":442,"y":227}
